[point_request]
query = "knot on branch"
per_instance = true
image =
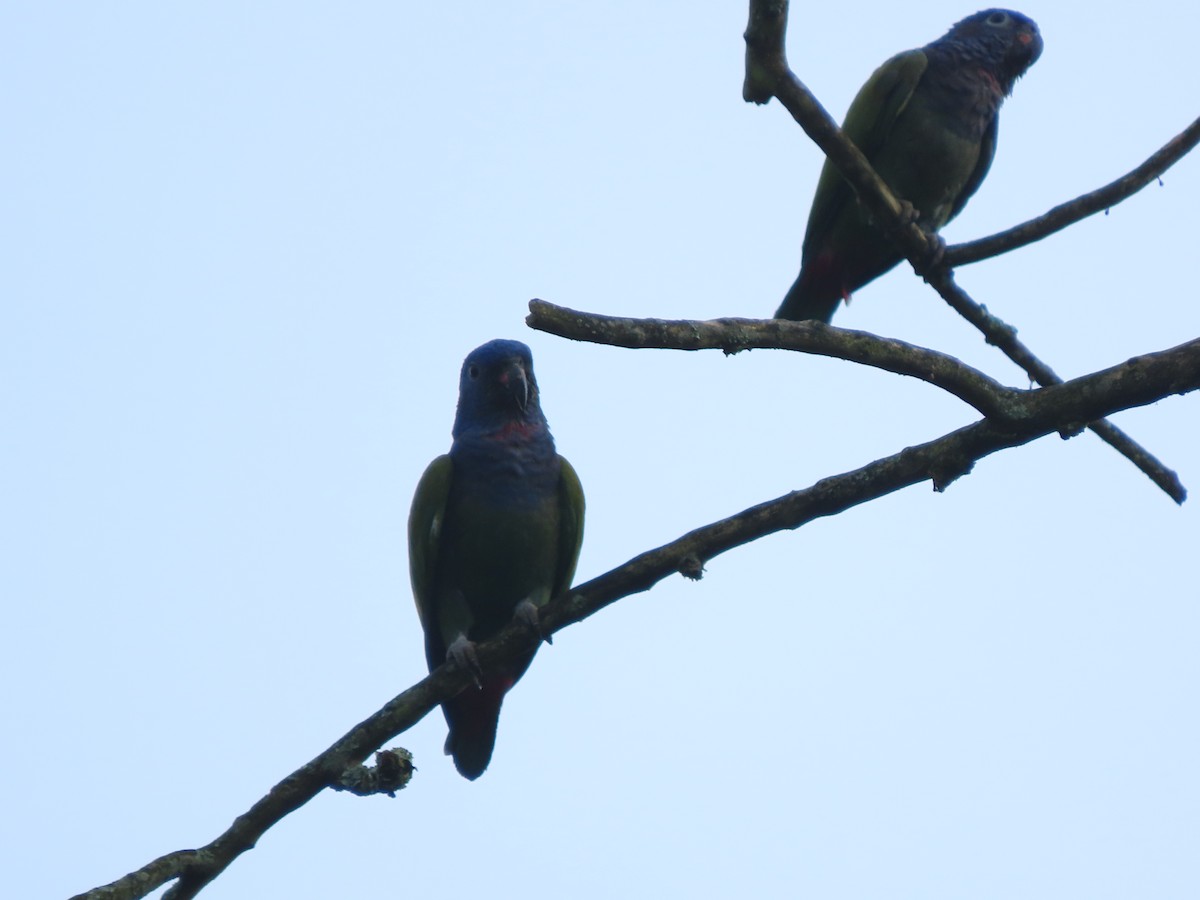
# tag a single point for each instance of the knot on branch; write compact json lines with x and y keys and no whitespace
{"x":691,"y":566}
{"x":948,"y":469}
{"x":996,"y":331}
{"x":765,"y":59}
{"x":736,"y":341}
{"x":392,"y":772}
{"x":1072,"y":429}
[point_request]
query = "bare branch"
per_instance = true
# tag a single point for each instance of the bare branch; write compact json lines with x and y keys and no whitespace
{"x":148,"y":878}
{"x":1004,"y":336}
{"x":970,"y":385}
{"x":196,"y":868}
{"x":767,"y":71}
{"x":1080,"y":208}
{"x":1136,"y":382}
{"x":1139,"y":381}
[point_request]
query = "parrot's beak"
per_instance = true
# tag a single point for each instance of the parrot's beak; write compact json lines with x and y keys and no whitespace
{"x":516,"y":382}
{"x":1031,"y":43}
{"x":1024,"y":52}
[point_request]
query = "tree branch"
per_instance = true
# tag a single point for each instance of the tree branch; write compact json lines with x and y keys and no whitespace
{"x":767,"y":75}
{"x":731,"y":335}
{"x":196,"y":868}
{"x":970,"y":385}
{"x":1139,"y":381}
{"x":1080,"y":208}
{"x":1004,"y":336}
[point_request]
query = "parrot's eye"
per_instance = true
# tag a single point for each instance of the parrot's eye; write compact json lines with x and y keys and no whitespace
{"x":472,"y":372}
{"x":997,"y":18}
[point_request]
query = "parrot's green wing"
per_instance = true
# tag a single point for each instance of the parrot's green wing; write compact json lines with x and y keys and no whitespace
{"x":868,"y":123}
{"x":424,"y":530}
{"x":570,"y":527}
{"x":987,"y":150}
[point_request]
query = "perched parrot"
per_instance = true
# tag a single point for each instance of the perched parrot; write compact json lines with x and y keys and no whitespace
{"x":494,"y":532}
{"x":926,"y":120}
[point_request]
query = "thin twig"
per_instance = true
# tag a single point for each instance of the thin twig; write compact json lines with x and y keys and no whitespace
{"x":1080,"y":208}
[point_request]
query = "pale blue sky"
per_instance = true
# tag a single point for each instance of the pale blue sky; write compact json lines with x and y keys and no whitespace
{"x":245,"y":248}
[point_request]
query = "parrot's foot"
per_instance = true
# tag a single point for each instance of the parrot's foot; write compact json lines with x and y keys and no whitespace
{"x":937,"y":251}
{"x":907,"y":216}
{"x":527,"y":612}
{"x":908,"y":213}
{"x":461,"y":652}
{"x":935,"y":243}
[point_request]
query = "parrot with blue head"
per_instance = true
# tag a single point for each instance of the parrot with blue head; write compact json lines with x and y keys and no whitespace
{"x":494,"y":533}
{"x":927,"y":122}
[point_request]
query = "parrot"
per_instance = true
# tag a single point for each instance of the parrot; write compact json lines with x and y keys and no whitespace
{"x":926,"y":121}
{"x":494,"y":533}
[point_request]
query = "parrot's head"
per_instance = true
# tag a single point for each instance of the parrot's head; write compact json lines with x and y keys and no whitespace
{"x":1005,"y":42}
{"x":497,"y":389}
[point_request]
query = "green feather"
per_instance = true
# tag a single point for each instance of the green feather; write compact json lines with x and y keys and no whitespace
{"x":424,"y":528}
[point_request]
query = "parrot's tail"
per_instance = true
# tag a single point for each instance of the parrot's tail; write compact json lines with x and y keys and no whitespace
{"x":811,"y":297}
{"x":473,"y":716}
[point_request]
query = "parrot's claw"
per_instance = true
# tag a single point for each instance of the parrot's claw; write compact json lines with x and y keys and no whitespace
{"x":527,"y":612}
{"x":937,"y":251}
{"x":461,"y":652}
{"x":935,"y":243}
{"x":908,"y":213}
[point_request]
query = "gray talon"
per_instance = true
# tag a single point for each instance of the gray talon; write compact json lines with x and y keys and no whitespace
{"x":527,"y":612}
{"x":461,"y":652}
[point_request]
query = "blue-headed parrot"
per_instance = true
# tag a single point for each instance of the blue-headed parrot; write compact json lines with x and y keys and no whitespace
{"x":926,"y":121}
{"x":494,"y":533}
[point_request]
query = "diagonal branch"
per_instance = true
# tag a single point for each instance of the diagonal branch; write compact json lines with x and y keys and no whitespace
{"x":1078,"y":209}
{"x":768,"y":75}
{"x":1135,"y":382}
{"x":1139,"y":381}
{"x":1004,"y":336}
{"x":968,"y":384}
